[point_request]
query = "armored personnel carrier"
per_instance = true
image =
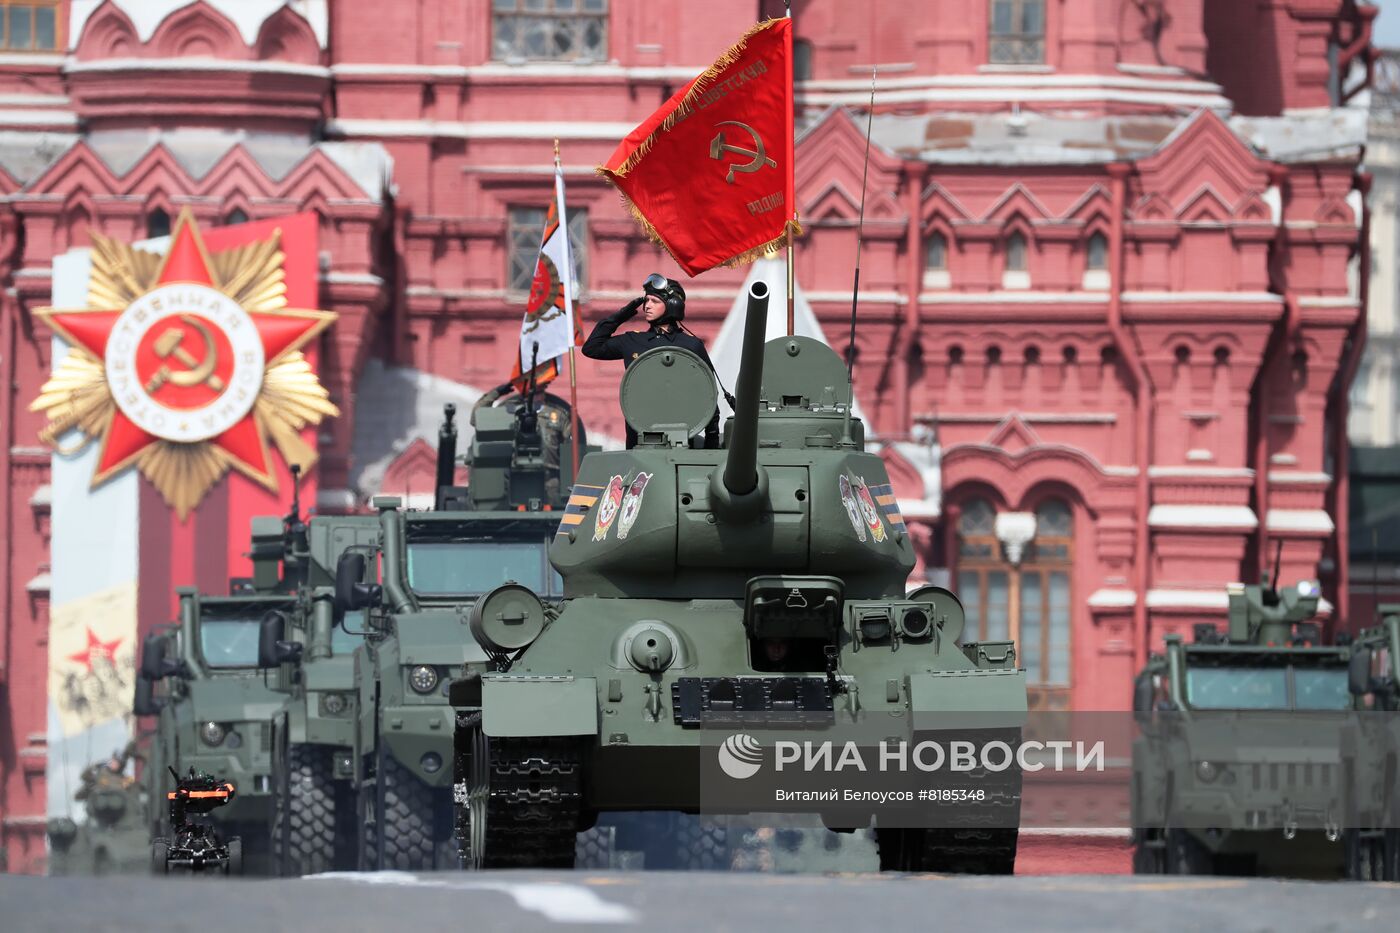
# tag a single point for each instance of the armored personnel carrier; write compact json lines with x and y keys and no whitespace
{"x":214,"y":710}
{"x":432,"y":567}
{"x":767,"y":577}
{"x":1373,"y":848}
{"x":310,"y":657}
{"x":114,"y":838}
{"x":1247,"y":758}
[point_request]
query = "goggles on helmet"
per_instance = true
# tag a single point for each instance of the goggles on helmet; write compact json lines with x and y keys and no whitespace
{"x":656,"y":282}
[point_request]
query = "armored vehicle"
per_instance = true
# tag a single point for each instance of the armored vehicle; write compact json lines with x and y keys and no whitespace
{"x":311,"y":659}
{"x":1247,"y":755}
{"x":114,"y":838}
{"x":766,"y":577}
{"x":433,"y":565}
{"x":194,"y":845}
{"x":1373,"y":849}
{"x":215,"y":710}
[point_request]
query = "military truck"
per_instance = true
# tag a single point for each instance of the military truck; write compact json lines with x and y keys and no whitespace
{"x":114,"y":838}
{"x":309,"y":657}
{"x":215,"y":711}
{"x":764,"y":577}
{"x":1247,"y":756}
{"x":431,"y":568}
{"x":1373,"y":849}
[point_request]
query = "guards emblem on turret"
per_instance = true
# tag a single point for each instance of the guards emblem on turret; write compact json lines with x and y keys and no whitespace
{"x":608,"y":506}
{"x":632,"y":504}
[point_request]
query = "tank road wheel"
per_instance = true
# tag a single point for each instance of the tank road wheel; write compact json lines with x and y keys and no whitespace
{"x":702,"y":843}
{"x":304,"y":831}
{"x":470,"y":790}
{"x":414,"y":833}
{"x":234,"y":865}
{"x":160,"y":857}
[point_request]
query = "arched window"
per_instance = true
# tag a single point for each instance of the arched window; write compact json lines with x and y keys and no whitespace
{"x":801,"y":60}
{"x":1097,"y":253}
{"x":936,"y":253}
{"x":984,"y":581}
{"x":1016,"y":253}
{"x":157,"y":224}
{"x":1045,"y":605}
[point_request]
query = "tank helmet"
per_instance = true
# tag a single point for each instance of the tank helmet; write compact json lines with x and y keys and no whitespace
{"x":669,"y":291}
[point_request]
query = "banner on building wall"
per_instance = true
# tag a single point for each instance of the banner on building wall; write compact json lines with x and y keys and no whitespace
{"x":710,"y":174}
{"x":92,"y":651}
{"x":185,"y":365}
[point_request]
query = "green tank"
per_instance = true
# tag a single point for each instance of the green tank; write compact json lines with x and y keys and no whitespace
{"x":770,"y":571}
{"x":1246,"y":761}
{"x":433,"y":565}
{"x":1373,"y":848}
{"x":114,"y":838}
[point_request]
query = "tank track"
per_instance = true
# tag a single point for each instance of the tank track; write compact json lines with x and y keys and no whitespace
{"x":533,"y":801}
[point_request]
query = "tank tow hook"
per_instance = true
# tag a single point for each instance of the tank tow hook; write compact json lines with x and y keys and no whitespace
{"x":653,"y":706}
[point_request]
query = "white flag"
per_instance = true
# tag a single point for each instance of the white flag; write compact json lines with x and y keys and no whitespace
{"x":549,"y":312}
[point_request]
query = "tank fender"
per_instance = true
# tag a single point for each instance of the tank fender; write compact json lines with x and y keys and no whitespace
{"x":529,"y":705}
{"x":968,"y":699}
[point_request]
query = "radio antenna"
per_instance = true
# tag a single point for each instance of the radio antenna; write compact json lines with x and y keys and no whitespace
{"x":846,"y":439}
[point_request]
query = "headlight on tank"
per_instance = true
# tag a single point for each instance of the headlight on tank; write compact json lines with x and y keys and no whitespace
{"x":334,"y":704}
{"x":1207,"y":771}
{"x":212,"y":734}
{"x":423,"y":679}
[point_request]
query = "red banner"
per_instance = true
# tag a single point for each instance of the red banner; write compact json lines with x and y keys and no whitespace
{"x":709,"y":175}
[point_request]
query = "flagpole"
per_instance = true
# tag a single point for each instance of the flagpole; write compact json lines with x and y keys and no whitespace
{"x":791,"y":297}
{"x":573,"y":372}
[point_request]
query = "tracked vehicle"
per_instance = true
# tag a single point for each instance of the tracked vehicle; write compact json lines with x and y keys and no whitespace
{"x":1249,"y":760}
{"x":432,"y":567}
{"x":765,"y":578}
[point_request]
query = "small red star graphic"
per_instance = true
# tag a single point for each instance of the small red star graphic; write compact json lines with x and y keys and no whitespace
{"x":96,"y":647}
{"x":186,"y":262}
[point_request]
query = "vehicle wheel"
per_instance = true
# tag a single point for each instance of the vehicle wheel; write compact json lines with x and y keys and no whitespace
{"x":594,"y":848}
{"x":1149,"y":857}
{"x":416,"y":835}
{"x":304,"y":829}
{"x":234,"y":865}
{"x":702,"y":843}
{"x":160,"y":857}
{"x":897,"y":848}
{"x":1390,"y":856}
{"x":1187,"y":855}
{"x":471,"y":790}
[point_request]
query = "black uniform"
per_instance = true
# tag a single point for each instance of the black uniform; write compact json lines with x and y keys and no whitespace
{"x":605,"y":344}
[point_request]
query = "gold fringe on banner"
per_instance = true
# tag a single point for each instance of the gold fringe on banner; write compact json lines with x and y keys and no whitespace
{"x":744,"y":258}
{"x":730,"y":56}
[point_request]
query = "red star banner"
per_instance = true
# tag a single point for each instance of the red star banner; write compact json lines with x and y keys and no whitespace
{"x":709,"y":175}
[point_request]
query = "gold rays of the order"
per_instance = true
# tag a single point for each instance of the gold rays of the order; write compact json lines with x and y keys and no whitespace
{"x":292,"y":398}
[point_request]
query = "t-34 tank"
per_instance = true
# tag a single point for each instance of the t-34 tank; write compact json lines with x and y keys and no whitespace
{"x":766,"y":575}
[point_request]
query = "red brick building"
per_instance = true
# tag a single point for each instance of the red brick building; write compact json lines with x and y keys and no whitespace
{"x":1111,"y":288}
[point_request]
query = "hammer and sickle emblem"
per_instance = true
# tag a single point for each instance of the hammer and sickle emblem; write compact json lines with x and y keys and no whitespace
{"x":196,"y":371}
{"x":757,"y":156}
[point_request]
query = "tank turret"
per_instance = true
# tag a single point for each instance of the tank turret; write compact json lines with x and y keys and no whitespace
{"x":792,"y":491}
{"x":1262,"y":615}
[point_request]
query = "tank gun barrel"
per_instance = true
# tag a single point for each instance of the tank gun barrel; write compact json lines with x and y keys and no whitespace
{"x":741,"y":481}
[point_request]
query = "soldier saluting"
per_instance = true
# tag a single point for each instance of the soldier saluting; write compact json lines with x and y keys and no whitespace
{"x":663,"y":308}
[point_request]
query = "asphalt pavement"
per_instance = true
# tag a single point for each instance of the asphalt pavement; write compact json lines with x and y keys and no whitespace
{"x":699,"y":901}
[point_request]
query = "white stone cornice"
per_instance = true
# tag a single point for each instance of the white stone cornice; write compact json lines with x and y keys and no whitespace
{"x":1202,"y":516}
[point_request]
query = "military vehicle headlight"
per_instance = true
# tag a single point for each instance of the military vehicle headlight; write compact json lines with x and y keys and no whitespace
{"x":430,"y":762}
{"x":423,"y":679}
{"x":333,"y":704}
{"x":1207,"y":771}
{"x":234,"y":740}
{"x":212,"y":733}
{"x":874,"y":626}
{"x":1307,"y":589}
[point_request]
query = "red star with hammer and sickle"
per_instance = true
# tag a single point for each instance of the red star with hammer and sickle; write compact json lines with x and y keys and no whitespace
{"x":186,"y":262}
{"x":96,"y":646}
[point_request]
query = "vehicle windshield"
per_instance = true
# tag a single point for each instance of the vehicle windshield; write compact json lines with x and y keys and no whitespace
{"x":345,"y":642}
{"x":229,"y":642}
{"x":457,"y":568}
{"x":1267,"y":688}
